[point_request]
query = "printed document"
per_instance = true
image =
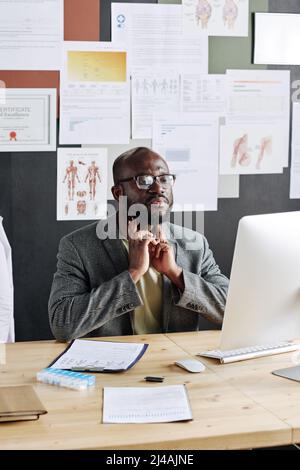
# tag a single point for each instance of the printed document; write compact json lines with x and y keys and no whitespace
{"x":146,"y":404}
{"x":261,"y":97}
{"x":152,"y":90}
{"x":295,"y":164}
{"x":190,"y":145}
{"x":203,"y":93}
{"x":31,"y":34}
{"x":155,"y":38}
{"x":95,"y":94}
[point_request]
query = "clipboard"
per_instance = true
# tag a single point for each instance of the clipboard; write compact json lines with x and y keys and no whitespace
{"x":84,"y":355}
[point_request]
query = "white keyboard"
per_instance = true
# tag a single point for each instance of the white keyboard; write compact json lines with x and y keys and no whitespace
{"x":242,"y":354}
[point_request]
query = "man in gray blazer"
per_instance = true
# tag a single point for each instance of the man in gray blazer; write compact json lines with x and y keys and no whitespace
{"x":145,"y":278}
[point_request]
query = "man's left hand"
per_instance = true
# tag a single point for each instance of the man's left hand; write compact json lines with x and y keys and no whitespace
{"x":163,"y":260}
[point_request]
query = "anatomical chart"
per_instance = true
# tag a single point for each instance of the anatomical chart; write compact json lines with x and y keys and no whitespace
{"x":81,"y":183}
{"x":216,"y":17}
{"x":250,"y":149}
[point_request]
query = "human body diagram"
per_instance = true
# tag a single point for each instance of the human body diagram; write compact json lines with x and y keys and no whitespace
{"x":92,"y":175}
{"x":77,"y":189}
{"x":71,"y":176}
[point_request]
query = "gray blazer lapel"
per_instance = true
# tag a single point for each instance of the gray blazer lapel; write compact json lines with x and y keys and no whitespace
{"x":117,"y":253}
{"x":167,"y":284}
{"x":113,"y":245}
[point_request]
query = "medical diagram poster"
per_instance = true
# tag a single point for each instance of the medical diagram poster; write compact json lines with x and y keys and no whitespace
{"x":81,"y":183}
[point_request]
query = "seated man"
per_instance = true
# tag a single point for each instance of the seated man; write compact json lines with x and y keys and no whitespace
{"x":142,"y":279}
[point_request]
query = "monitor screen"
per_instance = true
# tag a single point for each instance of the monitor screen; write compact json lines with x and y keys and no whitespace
{"x":277,"y":39}
{"x":263,"y":302}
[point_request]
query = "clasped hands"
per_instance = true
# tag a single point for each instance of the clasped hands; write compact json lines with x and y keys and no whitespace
{"x":145,"y":249}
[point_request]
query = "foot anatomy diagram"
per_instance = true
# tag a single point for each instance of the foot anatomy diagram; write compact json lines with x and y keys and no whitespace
{"x":265,"y":148}
{"x":242,"y":153}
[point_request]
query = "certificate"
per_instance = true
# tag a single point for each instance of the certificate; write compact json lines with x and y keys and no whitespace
{"x":28,"y":120}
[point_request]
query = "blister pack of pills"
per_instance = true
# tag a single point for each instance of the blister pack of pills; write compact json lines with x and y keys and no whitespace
{"x":66,"y":378}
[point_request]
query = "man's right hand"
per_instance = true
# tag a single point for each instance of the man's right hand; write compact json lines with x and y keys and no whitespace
{"x":139,"y":259}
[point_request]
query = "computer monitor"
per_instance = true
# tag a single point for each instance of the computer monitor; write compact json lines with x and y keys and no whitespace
{"x":263,"y":303}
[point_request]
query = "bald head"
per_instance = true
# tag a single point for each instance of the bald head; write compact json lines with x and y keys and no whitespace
{"x":127,"y":162}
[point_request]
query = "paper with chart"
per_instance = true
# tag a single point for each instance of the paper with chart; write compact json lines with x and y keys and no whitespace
{"x":106,"y":355}
{"x":295,"y":163}
{"x":216,"y":17}
{"x":31,"y":34}
{"x":81,"y":183}
{"x":261,"y":97}
{"x":152,"y":90}
{"x":250,"y":149}
{"x":203,"y":93}
{"x":190,"y":145}
{"x":155,"y":38}
{"x":95,"y":94}
{"x":146,"y":404}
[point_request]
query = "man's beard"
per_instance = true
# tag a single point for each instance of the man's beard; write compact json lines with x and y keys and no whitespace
{"x":153,"y":215}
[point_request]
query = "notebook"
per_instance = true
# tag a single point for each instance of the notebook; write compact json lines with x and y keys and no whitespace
{"x":19,"y":403}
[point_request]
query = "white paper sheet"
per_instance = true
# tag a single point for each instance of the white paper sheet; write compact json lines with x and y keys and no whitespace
{"x":189,"y":143}
{"x":28,"y":120}
{"x":31,"y":34}
{"x":95,"y":94}
{"x":261,"y":96}
{"x":203,"y":93}
{"x":216,"y":17}
{"x":295,"y":163}
{"x":81,"y":183}
{"x":99,"y":354}
{"x":250,"y":149}
{"x":152,"y":90}
{"x":154,"y":36}
{"x":146,"y":404}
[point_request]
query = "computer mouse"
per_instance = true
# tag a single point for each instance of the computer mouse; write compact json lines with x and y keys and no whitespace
{"x":191,"y":365}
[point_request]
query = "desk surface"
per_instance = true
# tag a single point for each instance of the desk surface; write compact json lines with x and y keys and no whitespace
{"x":234,"y":406}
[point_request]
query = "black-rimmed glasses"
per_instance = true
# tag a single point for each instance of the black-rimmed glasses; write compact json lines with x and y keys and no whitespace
{"x":146,"y":181}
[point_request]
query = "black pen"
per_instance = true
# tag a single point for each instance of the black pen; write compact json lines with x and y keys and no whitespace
{"x":154,"y":379}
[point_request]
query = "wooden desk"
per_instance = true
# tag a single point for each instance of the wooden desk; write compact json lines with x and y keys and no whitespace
{"x":234,"y":406}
